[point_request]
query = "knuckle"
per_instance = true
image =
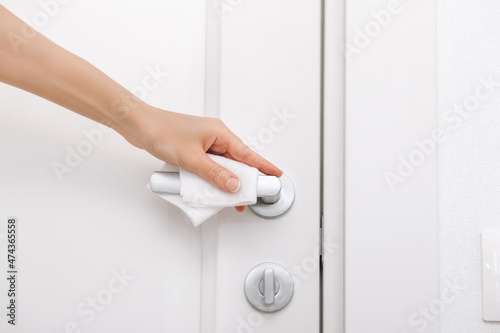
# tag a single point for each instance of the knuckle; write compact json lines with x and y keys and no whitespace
{"x":216,"y":173}
{"x":218,"y":123}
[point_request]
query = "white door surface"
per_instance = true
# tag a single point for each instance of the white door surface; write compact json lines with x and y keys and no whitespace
{"x":269,"y":95}
{"x":96,"y":250}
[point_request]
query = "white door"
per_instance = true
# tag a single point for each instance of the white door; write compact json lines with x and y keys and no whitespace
{"x":269,"y":94}
{"x":96,"y":249}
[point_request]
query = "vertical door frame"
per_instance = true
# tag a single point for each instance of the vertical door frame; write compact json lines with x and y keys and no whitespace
{"x":332,"y":206}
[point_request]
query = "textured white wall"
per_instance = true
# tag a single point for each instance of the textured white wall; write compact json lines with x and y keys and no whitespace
{"x":469,"y":160}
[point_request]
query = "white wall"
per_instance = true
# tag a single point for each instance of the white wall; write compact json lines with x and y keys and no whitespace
{"x":469,"y":160}
{"x":391,"y":228}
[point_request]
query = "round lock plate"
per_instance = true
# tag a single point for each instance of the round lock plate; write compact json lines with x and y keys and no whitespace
{"x":274,"y":210}
{"x":273,"y":277}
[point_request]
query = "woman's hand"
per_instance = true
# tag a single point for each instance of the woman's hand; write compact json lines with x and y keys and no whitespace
{"x":49,"y":71}
{"x":184,"y":140}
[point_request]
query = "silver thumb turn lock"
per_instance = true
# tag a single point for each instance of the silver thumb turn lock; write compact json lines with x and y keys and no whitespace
{"x":269,"y":287}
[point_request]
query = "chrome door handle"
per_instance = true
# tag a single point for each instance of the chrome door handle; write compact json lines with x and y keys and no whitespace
{"x":268,"y":187}
{"x":275,"y":195}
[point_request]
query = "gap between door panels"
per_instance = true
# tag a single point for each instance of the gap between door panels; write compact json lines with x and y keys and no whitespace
{"x":331,"y":96}
{"x":321,"y":164}
{"x":332,"y":150}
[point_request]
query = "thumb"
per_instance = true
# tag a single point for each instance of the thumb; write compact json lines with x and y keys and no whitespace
{"x":215,"y":174}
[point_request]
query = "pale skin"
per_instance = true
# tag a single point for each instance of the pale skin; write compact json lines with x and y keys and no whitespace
{"x":31,"y":62}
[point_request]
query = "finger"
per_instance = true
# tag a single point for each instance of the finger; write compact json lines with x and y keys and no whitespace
{"x":240,"y":209}
{"x":242,"y":153}
{"x":214,"y":173}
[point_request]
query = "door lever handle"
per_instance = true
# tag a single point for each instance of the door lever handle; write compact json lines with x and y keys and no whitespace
{"x":268,"y":187}
{"x":275,"y":195}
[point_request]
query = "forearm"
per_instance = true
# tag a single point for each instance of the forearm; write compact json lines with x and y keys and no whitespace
{"x":33,"y":63}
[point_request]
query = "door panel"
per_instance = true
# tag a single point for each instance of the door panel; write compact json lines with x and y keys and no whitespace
{"x":269,"y":96}
{"x":76,"y":234}
{"x":100,"y":219}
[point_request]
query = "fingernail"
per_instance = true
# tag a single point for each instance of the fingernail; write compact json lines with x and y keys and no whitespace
{"x":233,"y":184}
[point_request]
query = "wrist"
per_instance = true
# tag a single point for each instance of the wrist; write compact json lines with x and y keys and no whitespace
{"x":128,"y":117}
{"x":124,"y":111}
